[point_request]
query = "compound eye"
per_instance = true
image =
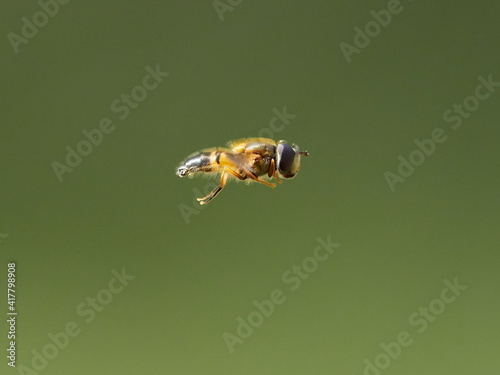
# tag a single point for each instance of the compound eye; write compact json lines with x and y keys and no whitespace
{"x":286,"y":157}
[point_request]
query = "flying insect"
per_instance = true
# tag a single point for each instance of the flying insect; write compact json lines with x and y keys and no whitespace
{"x":247,"y":159}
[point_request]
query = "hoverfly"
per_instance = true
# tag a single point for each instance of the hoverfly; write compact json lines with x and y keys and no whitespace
{"x":246,"y":159}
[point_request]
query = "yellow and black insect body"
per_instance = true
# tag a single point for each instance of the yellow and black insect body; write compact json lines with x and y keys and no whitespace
{"x":245,"y":159}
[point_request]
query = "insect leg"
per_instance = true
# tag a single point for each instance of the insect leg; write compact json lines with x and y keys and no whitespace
{"x":214,"y":192}
{"x":249,"y":174}
{"x":255,"y":178}
{"x":273,"y":171}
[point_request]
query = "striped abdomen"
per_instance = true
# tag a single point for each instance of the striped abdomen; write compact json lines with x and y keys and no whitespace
{"x":205,"y":161}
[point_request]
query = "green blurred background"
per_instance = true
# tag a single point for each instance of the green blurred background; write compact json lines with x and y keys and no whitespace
{"x":195,"y":275}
